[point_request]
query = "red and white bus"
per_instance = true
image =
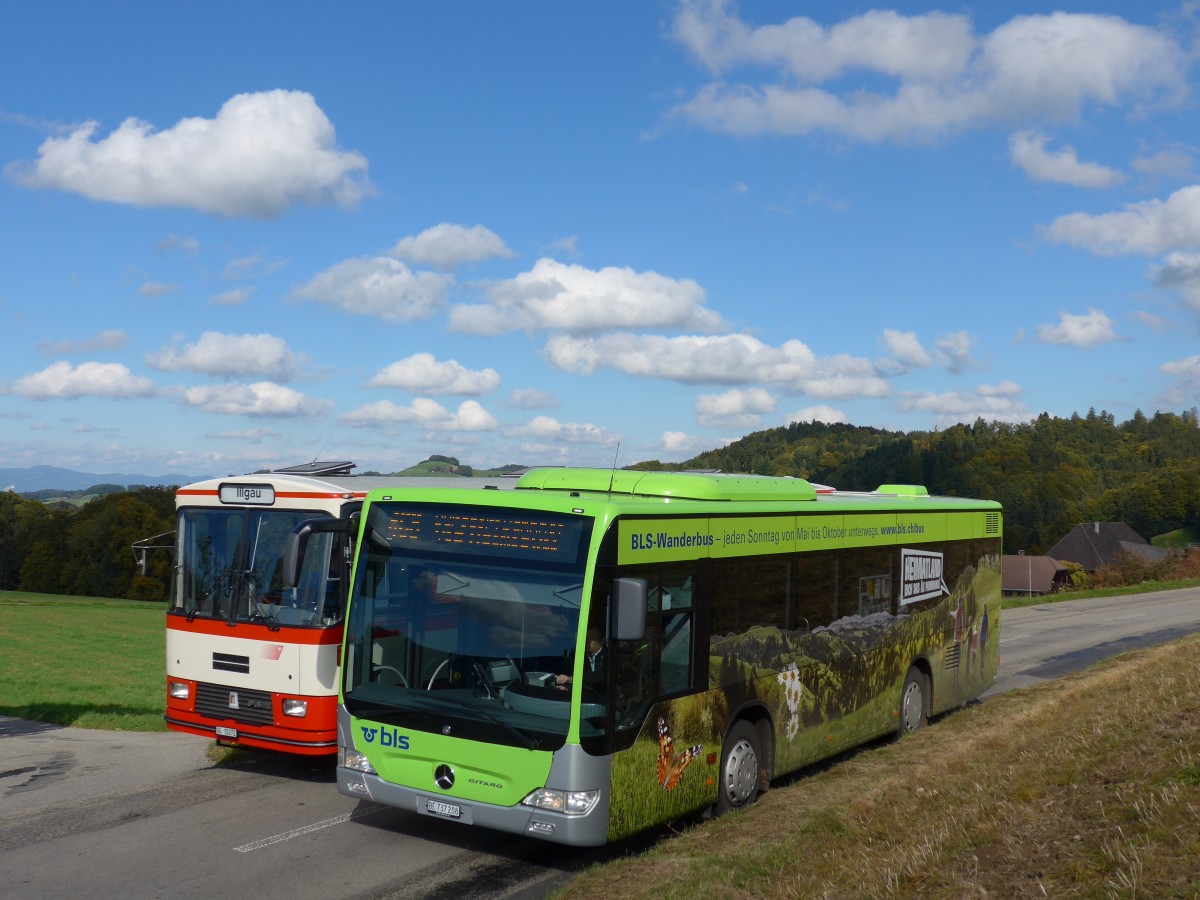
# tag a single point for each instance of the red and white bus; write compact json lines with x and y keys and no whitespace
{"x":250,"y":662}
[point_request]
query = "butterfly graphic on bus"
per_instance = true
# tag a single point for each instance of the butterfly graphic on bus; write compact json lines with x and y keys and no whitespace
{"x":670,"y":763}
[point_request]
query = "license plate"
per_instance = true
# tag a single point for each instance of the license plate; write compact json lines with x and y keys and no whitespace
{"x":438,"y":808}
{"x":226,"y":732}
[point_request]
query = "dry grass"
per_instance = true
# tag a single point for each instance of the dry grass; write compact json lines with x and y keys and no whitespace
{"x":1084,"y":787}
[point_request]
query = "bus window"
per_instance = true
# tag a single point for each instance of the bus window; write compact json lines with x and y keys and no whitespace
{"x":814,"y":591}
{"x":747,"y":592}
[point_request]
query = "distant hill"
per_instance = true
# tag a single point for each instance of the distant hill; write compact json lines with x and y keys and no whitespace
{"x":441,"y":466}
{"x":43,"y":478}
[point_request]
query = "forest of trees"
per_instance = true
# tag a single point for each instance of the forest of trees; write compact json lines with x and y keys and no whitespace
{"x":1051,"y":474}
{"x":56,"y":548}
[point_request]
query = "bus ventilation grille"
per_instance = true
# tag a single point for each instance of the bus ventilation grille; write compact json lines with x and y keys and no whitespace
{"x":216,"y":702}
{"x":991,"y":523}
{"x":953,"y":656}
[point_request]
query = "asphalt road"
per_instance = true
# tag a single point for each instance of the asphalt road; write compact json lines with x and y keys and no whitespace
{"x":104,"y":814}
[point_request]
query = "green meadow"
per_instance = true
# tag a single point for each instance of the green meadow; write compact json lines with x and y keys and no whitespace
{"x":90,"y":662}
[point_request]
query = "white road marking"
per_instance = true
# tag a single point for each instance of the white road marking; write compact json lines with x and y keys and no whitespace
{"x":1013,"y":637}
{"x":1123,"y":618}
{"x":309,"y":829}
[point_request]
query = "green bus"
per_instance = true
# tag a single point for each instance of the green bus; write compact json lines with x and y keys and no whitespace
{"x":597,"y":652}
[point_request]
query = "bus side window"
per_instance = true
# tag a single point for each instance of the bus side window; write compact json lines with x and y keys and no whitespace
{"x":675,"y":671}
{"x":664,"y":662}
{"x":814,"y":590}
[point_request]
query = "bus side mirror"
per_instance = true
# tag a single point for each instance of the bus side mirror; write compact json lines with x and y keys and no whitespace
{"x":629,"y":612}
{"x":297,"y":545}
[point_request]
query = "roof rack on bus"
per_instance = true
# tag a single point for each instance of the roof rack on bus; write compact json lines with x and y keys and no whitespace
{"x":668,"y":485}
{"x":318,"y":469}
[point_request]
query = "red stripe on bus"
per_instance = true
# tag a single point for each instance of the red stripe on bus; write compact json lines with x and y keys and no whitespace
{"x":294,"y":495}
{"x":255,"y":631}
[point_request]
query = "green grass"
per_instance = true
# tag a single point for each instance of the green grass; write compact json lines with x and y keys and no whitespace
{"x":90,"y":662}
{"x":1177,"y":539}
{"x":1119,"y":591}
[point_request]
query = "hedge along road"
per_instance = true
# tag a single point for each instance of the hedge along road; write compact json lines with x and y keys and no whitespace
{"x":95,"y":813}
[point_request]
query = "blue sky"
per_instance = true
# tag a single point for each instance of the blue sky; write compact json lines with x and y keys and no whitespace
{"x":246,"y":235}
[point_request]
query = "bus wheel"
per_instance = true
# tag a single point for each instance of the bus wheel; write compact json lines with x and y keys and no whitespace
{"x":739,"y":768}
{"x":913,"y":702}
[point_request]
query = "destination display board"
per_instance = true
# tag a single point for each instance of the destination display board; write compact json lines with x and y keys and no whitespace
{"x":481,"y":531}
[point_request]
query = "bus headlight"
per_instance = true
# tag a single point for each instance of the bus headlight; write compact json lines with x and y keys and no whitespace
{"x":349,"y":758}
{"x":572,"y":803}
{"x":297,"y":708}
{"x":178,"y":690}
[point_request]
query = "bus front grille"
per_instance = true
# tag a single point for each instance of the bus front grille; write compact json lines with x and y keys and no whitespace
{"x":219,"y":701}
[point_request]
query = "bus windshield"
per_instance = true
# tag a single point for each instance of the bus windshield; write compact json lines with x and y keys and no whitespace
{"x":229,"y":568}
{"x":463,"y":618}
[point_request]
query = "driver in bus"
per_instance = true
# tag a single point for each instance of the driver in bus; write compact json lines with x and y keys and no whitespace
{"x":595,"y":667}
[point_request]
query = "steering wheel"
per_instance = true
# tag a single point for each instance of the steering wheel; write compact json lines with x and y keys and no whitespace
{"x":376,"y":670}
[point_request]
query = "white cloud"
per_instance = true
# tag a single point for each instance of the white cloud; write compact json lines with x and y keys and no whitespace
{"x":262,"y":153}
{"x":1087,"y":330}
{"x":470,"y":416}
{"x":905,"y":352}
{"x":379,"y":286}
{"x":253,"y":266}
{"x":445,"y":246}
{"x":532,"y":398}
{"x":1028,"y":150}
{"x":905,"y":349}
{"x":1150,"y":227}
{"x":1181,"y":272}
{"x":234,"y":297}
{"x":567,"y":246}
{"x":175,"y":242}
{"x":1186,"y":368}
{"x":422,"y":373}
{"x":679,"y":443}
{"x":61,"y":380}
{"x":562,"y":297}
{"x":1043,"y":67}
{"x":157,"y":289}
{"x":263,"y":398}
{"x":821,"y":413}
{"x":953,"y":352}
{"x":231,"y":356}
{"x":999,"y":402}
{"x":1187,"y":380}
{"x":734,"y":408}
{"x":1174,"y":162}
{"x":726,"y":359}
{"x":105,"y":340}
{"x":548,"y":430}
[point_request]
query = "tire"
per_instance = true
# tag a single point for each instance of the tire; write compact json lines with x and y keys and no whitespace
{"x":914,"y":702}
{"x":741,"y":767}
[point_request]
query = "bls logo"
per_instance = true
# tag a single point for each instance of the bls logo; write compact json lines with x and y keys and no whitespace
{"x":388,"y":737}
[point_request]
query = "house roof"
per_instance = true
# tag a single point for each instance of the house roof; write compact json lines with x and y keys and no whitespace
{"x":1030,"y":574}
{"x":1095,"y":544}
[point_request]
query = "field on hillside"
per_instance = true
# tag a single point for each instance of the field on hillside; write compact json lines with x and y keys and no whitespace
{"x":84,"y":661}
{"x":1086,"y":786}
